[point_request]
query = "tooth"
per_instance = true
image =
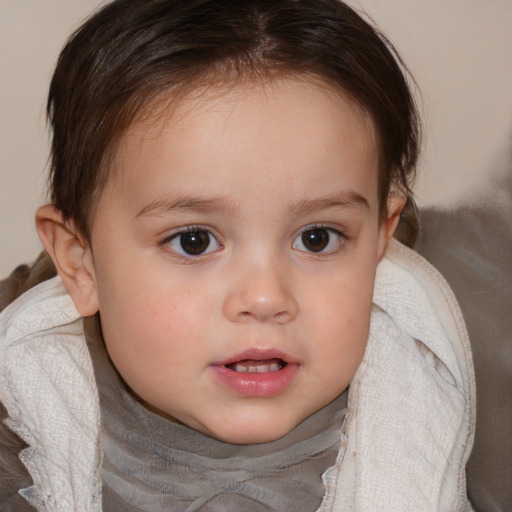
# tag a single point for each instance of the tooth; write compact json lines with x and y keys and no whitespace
{"x":244,"y":367}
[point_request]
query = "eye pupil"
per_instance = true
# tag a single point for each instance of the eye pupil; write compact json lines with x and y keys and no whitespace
{"x":194,"y":242}
{"x":315,"y":240}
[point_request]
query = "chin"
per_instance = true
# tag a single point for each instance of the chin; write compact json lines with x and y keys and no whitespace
{"x":251,"y":431}
{"x":249,"y":437}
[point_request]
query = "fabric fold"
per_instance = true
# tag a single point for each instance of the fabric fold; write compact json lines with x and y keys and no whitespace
{"x":411,"y":411}
{"x":48,"y":388}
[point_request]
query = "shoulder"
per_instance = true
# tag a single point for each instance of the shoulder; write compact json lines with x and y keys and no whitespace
{"x":13,"y":475}
{"x":25,"y":277}
{"x":471,"y":244}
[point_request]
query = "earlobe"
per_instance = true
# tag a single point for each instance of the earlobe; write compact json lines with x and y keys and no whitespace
{"x":72,"y":257}
{"x":389,"y":224}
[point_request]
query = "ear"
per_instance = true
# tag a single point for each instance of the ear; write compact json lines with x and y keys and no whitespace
{"x":389,"y":223}
{"x":72,"y":257}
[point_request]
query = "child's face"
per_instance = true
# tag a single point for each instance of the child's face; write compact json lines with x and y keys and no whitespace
{"x":234,"y":254}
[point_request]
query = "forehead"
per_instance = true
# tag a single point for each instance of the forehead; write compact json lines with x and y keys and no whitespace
{"x":291,"y":127}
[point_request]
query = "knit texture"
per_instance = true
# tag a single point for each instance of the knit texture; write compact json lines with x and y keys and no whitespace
{"x":405,"y":440}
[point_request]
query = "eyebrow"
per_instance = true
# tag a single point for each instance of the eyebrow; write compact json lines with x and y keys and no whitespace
{"x":345,"y":199}
{"x":208,"y":205}
{"x":188,"y":204}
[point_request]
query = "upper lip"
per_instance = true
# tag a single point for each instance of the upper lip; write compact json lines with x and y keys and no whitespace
{"x":257,"y":354}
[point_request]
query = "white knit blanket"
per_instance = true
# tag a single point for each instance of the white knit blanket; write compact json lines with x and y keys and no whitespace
{"x":411,"y":411}
{"x":48,"y":387}
{"x":405,"y":441}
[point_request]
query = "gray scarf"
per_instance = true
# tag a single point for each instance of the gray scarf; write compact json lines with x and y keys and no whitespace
{"x":154,"y":465}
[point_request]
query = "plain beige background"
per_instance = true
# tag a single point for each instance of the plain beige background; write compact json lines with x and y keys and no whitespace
{"x":460,"y":52}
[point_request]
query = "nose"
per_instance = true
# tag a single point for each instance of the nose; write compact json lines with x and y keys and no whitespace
{"x":260,"y":293}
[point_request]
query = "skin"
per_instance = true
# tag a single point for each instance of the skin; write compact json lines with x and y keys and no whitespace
{"x":251,"y":169}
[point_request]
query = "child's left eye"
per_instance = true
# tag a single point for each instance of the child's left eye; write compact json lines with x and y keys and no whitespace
{"x":319,"y":239}
{"x":193,"y":242}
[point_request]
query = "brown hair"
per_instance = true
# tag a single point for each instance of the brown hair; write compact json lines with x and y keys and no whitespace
{"x":131,"y":52}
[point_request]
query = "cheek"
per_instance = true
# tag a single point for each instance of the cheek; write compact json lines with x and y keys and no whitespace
{"x":341,"y":319}
{"x":152,"y":340}
{"x":345,"y":323}
{"x":149,"y":322}
{"x":159,"y":318}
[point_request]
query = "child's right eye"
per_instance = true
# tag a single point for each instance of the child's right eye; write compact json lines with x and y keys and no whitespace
{"x":194,"y":242}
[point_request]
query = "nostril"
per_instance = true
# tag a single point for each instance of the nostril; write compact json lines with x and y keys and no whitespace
{"x":279,"y":317}
{"x":270,"y":306}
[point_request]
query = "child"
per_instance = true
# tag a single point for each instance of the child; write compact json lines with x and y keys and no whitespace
{"x":226,"y":180}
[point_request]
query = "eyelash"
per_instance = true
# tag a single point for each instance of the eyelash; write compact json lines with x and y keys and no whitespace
{"x":175,"y":237}
{"x":204,"y":246}
{"x":329,"y":231}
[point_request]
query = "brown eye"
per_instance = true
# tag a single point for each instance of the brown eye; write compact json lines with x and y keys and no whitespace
{"x":319,"y":240}
{"x":194,"y":243}
{"x":315,"y":240}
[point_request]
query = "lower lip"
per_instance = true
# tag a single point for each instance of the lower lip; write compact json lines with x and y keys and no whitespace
{"x":256,"y":384}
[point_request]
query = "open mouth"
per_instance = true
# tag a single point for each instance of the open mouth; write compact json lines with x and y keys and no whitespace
{"x":256,"y":372}
{"x":257,"y":366}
